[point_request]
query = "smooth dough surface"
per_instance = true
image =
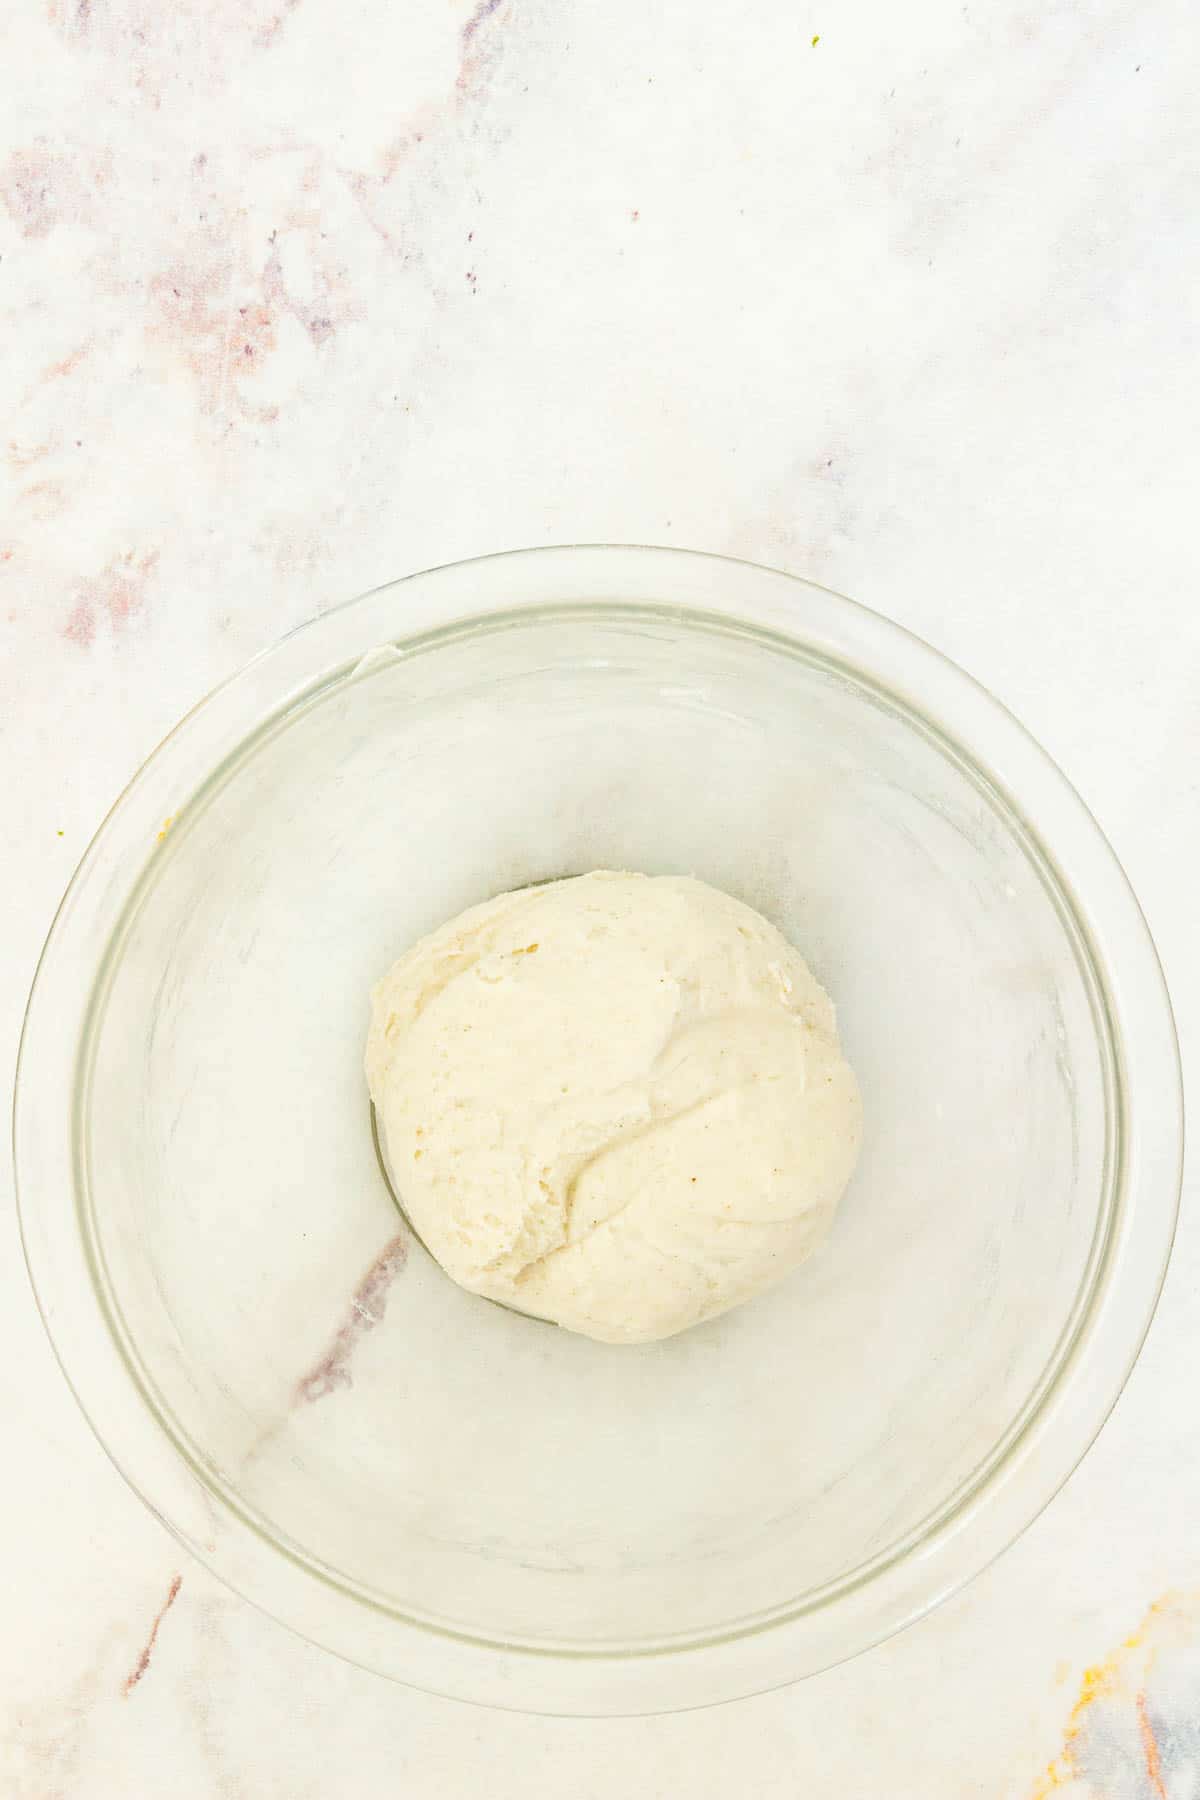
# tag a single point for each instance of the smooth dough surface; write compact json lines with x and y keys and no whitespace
{"x":616,"y":1101}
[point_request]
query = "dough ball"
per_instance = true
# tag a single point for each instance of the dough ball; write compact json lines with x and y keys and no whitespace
{"x":617,"y":1102}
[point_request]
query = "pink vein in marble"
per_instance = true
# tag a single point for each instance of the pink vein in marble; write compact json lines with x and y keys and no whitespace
{"x":116,"y":595}
{"x":476,"y":56}
{"x":190,"y":47}
{"x":224,"y":304}
{"x":30,"y":190}
{"x":368,"y":1303}
{"x":143,"y":1662}
{"x":41,"y":187}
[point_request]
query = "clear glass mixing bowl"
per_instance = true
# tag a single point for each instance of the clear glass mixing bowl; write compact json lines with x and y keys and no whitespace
{"x":475,"y":1502}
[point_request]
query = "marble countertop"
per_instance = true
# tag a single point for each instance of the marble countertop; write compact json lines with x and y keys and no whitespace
{"x":298,"y":296}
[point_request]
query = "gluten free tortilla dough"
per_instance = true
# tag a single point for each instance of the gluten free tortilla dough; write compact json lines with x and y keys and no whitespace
{"x":617,"y":1102}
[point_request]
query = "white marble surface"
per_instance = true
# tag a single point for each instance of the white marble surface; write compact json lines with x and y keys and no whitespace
{"x":300,"y":295}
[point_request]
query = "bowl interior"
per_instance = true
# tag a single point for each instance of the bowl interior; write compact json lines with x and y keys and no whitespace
{"x":460,"y":1465}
